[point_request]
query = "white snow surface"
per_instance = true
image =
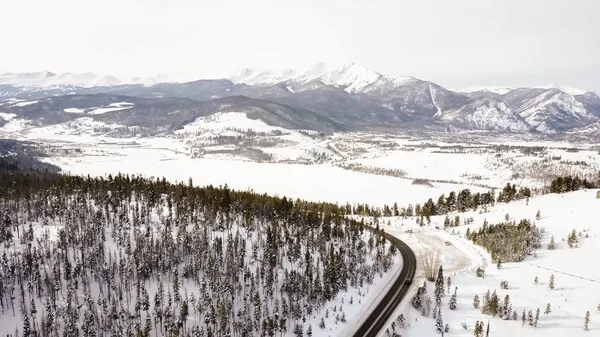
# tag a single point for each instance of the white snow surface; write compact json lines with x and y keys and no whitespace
{"x":74,"y":110}
{"x":111,"y":107}
{"x":566,"y":89}
{"x":231,"y":120}
{"x":25,"y":103}
{"x":495,"y":90}
{"x":310,"y":182}
{"x":577,"y":283}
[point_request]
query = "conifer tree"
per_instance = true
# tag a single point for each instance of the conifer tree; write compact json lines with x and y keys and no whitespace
{"x":551,"y":283}
{"x":439,"y":323}
{"x":494,"y":304}
{"x":548,"y":309}
{"x":452,"y":302}
{"x":478,"y":330}
{"x":538,"y":215}
{"x":439,"y":287}
{"x":476,"y":302}
{"x":586,"y":325}
{"x":552,"y":244}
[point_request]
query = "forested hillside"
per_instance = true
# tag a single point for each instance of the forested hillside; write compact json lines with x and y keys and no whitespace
{"x":131,"y":256}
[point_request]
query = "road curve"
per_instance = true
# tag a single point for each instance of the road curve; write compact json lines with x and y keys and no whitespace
{"x":380,"y":315}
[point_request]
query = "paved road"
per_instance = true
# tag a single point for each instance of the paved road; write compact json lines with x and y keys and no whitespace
{"x":380,"y":315}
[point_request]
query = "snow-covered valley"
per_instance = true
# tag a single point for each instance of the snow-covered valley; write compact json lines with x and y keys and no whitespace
{"x":377,"y":169}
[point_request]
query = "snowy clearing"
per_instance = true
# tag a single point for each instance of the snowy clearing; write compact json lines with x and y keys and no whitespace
{"x":577,"y":286}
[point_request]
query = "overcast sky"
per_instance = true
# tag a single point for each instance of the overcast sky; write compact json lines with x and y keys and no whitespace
{"x":455,"y":43}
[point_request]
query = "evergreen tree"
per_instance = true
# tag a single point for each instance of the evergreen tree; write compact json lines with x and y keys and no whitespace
{"x":476,"y":302}
{"x":26,"y":324}
{"x":586,"y":325}
{"x":487,"y":303}
{"x":439,"y":287}
{"x":551,"y":283}
{"x":478,"y":331}
{"x":548,"y":309}
{"x":452,"y":302}
{"x":439,"y":323}
{"x":536,"y":281}
{"x":494,"y":304}
{"x":537,"y":317}
{"x":552,"y":244}
{"x":572,"y":240}
{"x":538,"y":215}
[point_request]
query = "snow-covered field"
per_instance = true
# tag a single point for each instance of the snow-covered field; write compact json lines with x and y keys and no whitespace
{"x":577,"y":282}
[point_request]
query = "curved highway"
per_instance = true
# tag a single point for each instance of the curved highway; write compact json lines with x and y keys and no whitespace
{"x":380,"y":315}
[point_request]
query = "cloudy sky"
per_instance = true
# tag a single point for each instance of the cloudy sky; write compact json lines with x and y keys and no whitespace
{"x":454,"y":43}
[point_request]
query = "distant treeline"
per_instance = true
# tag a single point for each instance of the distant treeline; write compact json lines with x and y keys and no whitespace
{"x":570,"y":183}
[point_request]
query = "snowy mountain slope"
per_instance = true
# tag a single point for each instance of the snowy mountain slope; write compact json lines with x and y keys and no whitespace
{"x":549,"y":109}
{"x":565,"y":89}
{"x":591,"y":101}
{"x":485,"y":114}
{"x":350,"y":94}
{"x":483,"y":90}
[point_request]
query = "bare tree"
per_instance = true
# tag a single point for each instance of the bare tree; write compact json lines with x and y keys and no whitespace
{"x":431,"y":263}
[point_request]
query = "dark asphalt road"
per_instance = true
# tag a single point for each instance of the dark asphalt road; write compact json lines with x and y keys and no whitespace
{"x":380,"y":315}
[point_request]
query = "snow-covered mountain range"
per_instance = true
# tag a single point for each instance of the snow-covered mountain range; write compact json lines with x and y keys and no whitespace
{"x":349,"y":96}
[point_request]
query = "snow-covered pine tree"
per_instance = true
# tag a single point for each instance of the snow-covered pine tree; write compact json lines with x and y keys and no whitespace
{"x":552,"y":244}
{"x":494,"y":304}
{"x":439,"y":322}
{"x":452,"y":302}
{"x":486,"y":303}
{"x":586,"y":325}
{"x":548,"y":309}
{"x":476,"y":302}
{"x":439,"y":287}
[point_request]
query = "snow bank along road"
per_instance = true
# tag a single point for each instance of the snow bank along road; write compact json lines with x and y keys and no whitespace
{"x":380,"y":315}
